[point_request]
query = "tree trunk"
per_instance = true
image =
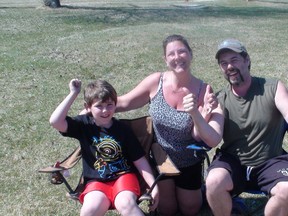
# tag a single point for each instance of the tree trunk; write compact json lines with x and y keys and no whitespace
{"x":52,"y":3}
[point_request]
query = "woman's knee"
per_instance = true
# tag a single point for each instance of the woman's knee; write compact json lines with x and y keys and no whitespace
{"x":167,"y":206}
{"x":190,"y":201}
{"x":167,"y":198}
{"x":167,"y":210}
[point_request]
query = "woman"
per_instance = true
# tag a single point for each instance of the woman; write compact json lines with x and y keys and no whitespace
{"x":184,"y":111}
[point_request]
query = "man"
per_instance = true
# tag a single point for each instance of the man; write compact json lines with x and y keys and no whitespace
{"x":251,"y":157}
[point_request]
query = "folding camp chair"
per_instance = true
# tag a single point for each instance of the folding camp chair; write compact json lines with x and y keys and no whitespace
{"x":200,"y":150}
{"x":142,"y":128}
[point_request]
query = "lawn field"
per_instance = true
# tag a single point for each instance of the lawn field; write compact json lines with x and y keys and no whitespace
{"x":42,"y":49}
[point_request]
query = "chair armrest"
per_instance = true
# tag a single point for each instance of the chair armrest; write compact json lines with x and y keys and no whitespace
{"x":163,"y":162}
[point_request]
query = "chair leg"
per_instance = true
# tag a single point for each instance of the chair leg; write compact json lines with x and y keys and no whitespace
{"x":147,"y":195}
{"x":70,"y":190}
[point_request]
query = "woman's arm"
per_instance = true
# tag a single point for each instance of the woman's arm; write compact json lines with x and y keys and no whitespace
{"x":208,"y":119}
{"x":140,"y":95}
{"x":209,"y":131}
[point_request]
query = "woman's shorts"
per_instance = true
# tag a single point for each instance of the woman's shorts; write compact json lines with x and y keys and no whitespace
{"x":190,"y":177}
{"x":126,"y":182}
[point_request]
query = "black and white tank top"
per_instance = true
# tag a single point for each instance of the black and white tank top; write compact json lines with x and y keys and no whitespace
{"x":172,"y":129}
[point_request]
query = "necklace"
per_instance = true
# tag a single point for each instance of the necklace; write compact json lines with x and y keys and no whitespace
{"x":176,"y":90}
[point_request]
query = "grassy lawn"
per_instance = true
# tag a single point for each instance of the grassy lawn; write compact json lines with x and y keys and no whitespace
{"x":42,"y":49}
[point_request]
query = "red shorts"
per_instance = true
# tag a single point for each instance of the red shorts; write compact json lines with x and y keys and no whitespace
{"x":125,"y":182}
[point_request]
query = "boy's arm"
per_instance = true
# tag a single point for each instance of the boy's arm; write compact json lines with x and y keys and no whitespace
{"x":145,"y":170}
{"x":58,"y":117}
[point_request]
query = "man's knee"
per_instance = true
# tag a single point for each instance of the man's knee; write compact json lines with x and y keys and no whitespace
{"x":218,"y":180}
{"x":280,"y":190}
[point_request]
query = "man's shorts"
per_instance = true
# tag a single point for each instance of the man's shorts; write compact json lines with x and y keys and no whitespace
{"x":126,"y":182}
{"x":262,"y":177}
{"x":190,"y":177}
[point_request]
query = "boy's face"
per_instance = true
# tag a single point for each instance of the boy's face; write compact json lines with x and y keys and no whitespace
{"x":102,"y":112}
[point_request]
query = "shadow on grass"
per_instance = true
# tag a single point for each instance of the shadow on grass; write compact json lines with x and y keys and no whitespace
{"x":135,"y":14}
{"x":114,"y":16}
{"x":16,"y":7}
{"x":274,"y":2}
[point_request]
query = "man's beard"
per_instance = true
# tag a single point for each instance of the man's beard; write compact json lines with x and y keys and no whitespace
{"x":237,"y":80}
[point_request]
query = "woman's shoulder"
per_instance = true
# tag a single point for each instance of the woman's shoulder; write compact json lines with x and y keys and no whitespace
{"x":152,"y":80}
{"x":154,"y":76}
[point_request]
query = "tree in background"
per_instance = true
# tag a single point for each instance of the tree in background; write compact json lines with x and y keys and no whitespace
{"x":52,"y":3}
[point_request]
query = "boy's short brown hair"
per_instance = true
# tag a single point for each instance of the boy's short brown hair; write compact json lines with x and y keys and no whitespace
{"x":100,"y":90}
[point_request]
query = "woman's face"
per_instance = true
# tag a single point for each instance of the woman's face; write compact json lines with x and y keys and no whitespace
{"x":178,"y":58}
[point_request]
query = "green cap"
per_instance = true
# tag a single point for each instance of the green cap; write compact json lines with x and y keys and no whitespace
{"x":230,"y":44}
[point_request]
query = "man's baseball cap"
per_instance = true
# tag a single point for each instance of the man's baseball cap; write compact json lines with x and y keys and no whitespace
{"x":230,"y":44}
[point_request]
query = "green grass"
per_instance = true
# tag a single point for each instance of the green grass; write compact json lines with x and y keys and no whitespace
{"x":121,"y":41}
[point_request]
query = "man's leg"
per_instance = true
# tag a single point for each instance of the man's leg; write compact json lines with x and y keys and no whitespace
{"x":218,"y":187}
{"x":278,"y":203}
{"x":272,"y":178}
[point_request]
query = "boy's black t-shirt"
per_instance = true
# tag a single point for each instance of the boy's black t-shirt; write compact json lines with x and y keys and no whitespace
{"x":106,"y":153}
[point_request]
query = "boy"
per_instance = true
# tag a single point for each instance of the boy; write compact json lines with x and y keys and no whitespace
{"x":109,"y":151}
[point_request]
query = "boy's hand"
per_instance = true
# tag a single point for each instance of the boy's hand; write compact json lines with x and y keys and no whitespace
{"x":155,"y":199}
{"x":75,"y":86}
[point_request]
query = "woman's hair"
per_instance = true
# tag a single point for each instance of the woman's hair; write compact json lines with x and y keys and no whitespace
{"x":100,"y":90}
{"x":174,"y":37}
